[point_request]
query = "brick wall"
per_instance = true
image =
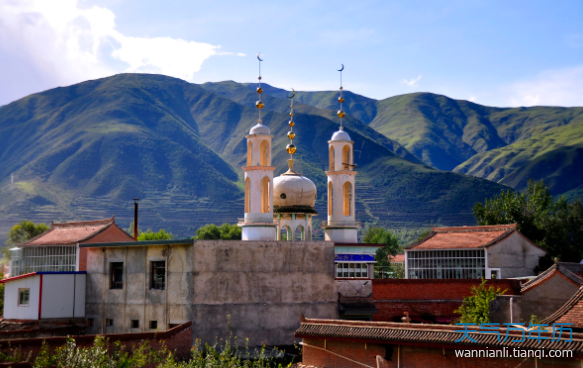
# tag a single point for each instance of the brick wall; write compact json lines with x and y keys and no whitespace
{"x":410,"y":357}
{"x":426,"y":300}
{"x":178,"y":339}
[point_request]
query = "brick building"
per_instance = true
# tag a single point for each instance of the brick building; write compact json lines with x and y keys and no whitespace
{"x":357,"y":344}
{"x":429,"y":301}
{"x":472,"y":252}
{"x":570,"y":312}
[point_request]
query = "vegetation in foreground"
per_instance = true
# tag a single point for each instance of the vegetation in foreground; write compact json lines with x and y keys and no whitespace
{"x":102,"y":354}
{"x":476,"y":307}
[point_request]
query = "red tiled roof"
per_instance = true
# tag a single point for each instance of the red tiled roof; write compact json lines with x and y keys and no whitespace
{"x":67,"y":233}
{"x":464,"y":237}
{"x":397,"y":258}
{"x":425,"y":334}
{"x":571,"y":312}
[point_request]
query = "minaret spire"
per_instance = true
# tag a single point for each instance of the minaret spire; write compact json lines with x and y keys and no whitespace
{"x":259,"y":104}
{"x":341,"y":112}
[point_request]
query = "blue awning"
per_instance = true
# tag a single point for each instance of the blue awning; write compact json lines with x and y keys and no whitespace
{"x":354,"y":258}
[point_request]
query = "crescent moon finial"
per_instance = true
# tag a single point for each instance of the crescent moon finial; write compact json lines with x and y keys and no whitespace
{"x":293,"y":94}
{"x":341,"y":69}
{"x":258,"y":58}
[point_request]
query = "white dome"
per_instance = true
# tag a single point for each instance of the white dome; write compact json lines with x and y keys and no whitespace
{"x":260,"y":129}
{"x":341,"y":135}
{"x":294,"y":190}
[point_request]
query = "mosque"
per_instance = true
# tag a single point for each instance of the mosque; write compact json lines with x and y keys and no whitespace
{"x":285,"y":204}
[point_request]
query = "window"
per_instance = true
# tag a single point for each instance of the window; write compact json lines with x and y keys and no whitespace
{"x":446,"y":264}
{"x":264,"y":158}
{"x":43,"y":258}
{"x":351,"y":270}
{"x":247,"y":195}
{"x":347,"y":201}
{"x":135,"y":323}
{"x":90,"y":322}
{"x":108,"y":322}
{"x":331,"y":158}
{"x":116,"y":269}
{"x":153,"y":325}
{"x":158,"y":275}
{"x":265,"y":195}
{"x":330,"y":199}
{"x":346,"y":158}
{"x":23,"y":297}
{"x":249,"y":153}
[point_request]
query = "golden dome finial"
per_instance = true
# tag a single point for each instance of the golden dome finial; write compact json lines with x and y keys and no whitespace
{"x":290,"y":148}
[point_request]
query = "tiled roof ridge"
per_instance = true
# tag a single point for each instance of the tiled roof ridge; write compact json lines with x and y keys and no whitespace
{"x":575,"y":299}
{"x":471,"y":229}
{"x":548,"y":273}
{"x":414,"y":334}
{"x":422,"y":240}
{"x":73,"y":224}
{"x":84,"y":223}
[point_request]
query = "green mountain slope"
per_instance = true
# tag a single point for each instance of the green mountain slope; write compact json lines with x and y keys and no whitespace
{"x":85,"y":151}
{"x":555,"y":156}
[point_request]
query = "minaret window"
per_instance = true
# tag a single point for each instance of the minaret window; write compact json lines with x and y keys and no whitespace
{"x":347,"y":198}
{"x":264,"y":153}
{"x":249,"y":153}
{"x":346,"y":158}
{"x":330,"y":198}
{"x":331,"y":158}
{"x":247,"y":195}
{"x":265,"y":194}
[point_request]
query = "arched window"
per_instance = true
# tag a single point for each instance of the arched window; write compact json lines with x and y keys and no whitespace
{"x":300,"y":233}
{"x":346,"y":158}
{"x":330,"y":198}
{"x":265,"y":194}
{"x":247,"y":195}
{"x":331,"y":158}
{"x":347,"y":198}
{"x":249,"y":153}
{"x":264,"y":148}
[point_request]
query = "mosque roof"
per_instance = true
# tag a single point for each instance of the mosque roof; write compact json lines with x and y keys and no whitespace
{"x":260,"y":129}
{"x":341,"y":135}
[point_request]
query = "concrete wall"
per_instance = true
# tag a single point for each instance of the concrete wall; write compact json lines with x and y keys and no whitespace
{"x":515,"y":256}
{"x":137,"y":301}
{"x":263,"y":287}
{"x":500,"y":309}
{"x":11,"y":308}
{"x":353,"y":288}
{"x":260,"y":286}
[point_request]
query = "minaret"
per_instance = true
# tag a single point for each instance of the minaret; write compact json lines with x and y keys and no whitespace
{"x":341,"y":226}
{"x":258,"y":223}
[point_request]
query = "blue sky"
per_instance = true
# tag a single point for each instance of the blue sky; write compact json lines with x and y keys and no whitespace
{"x":500,"y":53}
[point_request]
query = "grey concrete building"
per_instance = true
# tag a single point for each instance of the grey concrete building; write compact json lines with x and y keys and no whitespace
{"x":541,"y":296}
{"x":258,"y":287}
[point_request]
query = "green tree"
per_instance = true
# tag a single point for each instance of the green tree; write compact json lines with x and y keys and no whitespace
{"x":24,"y":231}
{"x":214,"y":232}
{"x":556,"y":225}
{"x":160,"y":235}
{"x":476,"y":308}
{"x":378,"y":235}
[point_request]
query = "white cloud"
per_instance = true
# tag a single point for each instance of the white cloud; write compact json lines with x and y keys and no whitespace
{"x":412,"y":82}
{"x":65,"y":44}
{"x":561,"y":87}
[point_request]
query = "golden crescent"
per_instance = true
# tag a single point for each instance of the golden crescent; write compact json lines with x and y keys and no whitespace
{"x":341,"y":69}
{"x":258,"y":58}
{"x":293,"y":95}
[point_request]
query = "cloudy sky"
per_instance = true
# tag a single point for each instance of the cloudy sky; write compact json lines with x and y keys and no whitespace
{"x":499,"y":53}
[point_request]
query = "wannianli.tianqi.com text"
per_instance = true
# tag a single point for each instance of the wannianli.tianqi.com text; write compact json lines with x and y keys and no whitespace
{"x":513,"y":353}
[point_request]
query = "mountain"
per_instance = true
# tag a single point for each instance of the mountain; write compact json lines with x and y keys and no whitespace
{"x":555,"y":156}
{"x":506,"y":145}
{"x":84,"y":151}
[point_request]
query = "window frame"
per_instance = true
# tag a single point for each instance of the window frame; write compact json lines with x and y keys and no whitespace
{"x":152,"y":275}
{"x":20,"y":290}
{"x":116,"y":285}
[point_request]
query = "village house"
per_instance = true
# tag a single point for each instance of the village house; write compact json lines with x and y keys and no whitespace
{"x":472,"y":252}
